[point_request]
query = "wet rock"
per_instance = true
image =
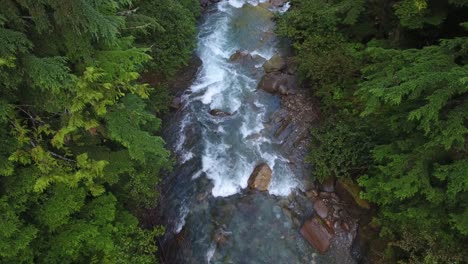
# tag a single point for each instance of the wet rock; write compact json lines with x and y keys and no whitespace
{"x":219,"y":113}
{"x":317,"y":234}
{"x":291,"y":67}
{"x":321,"y":209}
{"x":312,"y":194}
{"x":328,"y":185}
{"x":185,"y":76}
{"x":345,"y":226}
{"x":202,"y":196}
{"x":277,"y":82}
{"x":221,"y":236}
{"x":276,"y":63}
{"x":260,"y":177}
{"x":205,"y":3}
{"x":349,"y":191}
{"x":243,"y":57}
{"x":277,"y":3}
{"x":176,"y":103}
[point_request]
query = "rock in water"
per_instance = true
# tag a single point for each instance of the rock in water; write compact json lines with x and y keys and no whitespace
{"x":219,"y":113}
{"x":276,"y":63}
{"x":260,"y":177}
{"x":277,"y":82}
{"x":317,"y":234}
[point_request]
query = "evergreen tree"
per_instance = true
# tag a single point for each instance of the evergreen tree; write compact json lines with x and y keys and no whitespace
{"x":80,"y":151}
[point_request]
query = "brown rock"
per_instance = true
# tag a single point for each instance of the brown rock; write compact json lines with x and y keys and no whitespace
{"x":220,"y":236}
{"x":277,"y":82}
{"x":276,"y":63}
{"x":311,"y":194}
{"x":345,"y":226}
{"x":317,"y":234}
{"x":321,"y":209}
{"x":260,"y":177}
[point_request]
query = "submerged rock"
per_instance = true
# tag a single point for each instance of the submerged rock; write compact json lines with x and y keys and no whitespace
{"x":317,"y":234}
{"x":219,"y":113}
{"x":260,"y":177}
{"x":276,"y":63}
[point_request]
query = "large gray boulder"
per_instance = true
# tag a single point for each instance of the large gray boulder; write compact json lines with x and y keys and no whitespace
{"x":276,"y":63}
{"x":277,"y":82}
{"x":219,"y":113}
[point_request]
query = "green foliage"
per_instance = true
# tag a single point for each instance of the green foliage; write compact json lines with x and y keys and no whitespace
{"x":80,"y":151}
{"x":341,"y":148}
{"x":397,"y":112}
{"x":172,"y":44}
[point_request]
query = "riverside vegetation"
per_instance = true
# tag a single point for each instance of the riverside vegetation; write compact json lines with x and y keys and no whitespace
{"x":80,"y":154}
{"x":392,"y":78}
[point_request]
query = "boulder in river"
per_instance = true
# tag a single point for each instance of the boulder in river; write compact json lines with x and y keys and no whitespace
{"x":176,"y":103}
{"x":316,"y":232}
{"x":277,"y":82}
{"x":260,"y":177}
{"x":219,"y":113}
{"x":246,"y":59}
{"x":240,"y":55}
{"x":276,"y":63}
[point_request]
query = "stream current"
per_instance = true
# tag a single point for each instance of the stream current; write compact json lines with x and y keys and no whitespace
{"x":210,"y":216}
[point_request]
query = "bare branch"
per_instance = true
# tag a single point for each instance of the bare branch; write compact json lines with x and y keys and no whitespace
{"x":127,"y":12}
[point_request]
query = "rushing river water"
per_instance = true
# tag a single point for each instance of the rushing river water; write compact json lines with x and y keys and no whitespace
{"x":209,"y":215}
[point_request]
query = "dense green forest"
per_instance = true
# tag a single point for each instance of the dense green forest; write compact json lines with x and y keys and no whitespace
{"x":392,"y":77}
{"x":80,"y":153}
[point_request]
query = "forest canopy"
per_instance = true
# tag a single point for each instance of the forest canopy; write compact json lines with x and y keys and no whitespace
{"x":392,"y":77}
{"x":80,"y":151}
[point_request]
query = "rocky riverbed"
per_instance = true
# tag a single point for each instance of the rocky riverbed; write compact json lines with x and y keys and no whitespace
{"x":284,"y":216}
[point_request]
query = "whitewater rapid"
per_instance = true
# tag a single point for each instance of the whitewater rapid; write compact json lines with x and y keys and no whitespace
{"x":232,"y":146}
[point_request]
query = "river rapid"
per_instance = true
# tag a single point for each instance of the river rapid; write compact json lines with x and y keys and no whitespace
{"x":209,"y":214}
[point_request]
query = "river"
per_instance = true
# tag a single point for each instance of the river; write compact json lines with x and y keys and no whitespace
{"x":209,"y":214}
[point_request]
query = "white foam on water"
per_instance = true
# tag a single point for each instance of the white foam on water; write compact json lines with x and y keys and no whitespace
{"x":210,"y":252}
{"x":181,"y":135}
{"x":186,"y":157}
{"x":284,"y":8}
{"x":184,"y":210}
{"x":228,"y":173}
{"x":221,"y":85}
{"x":236,"y":3}
{"x":197,"y":174}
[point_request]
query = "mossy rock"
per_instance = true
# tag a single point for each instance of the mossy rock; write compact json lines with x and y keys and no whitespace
{"x":354,"y":190}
